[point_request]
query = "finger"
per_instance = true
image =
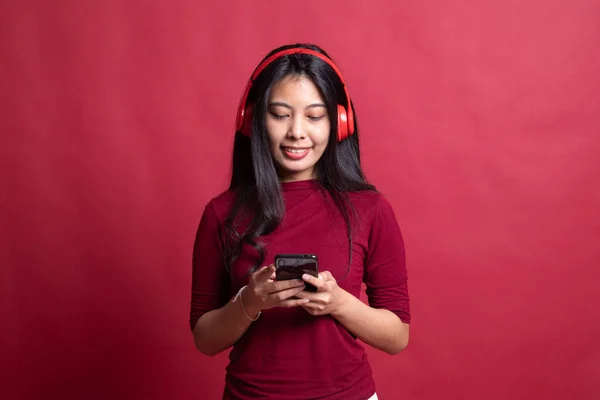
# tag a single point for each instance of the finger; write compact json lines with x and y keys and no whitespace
{"x":264,"y":273}
{"x":309,"y":306}
{"x":272,"y":278}
{"x":312,"y":296}
{"x":285,"y":294}
{"x":290,"y":283}
{"x":316,"y":302}
{"x":326,"y":275}
{"x":316,"y":282}
{"x":312,"y":308}
{"x":292,"y":303}
{"x":278,"y":286}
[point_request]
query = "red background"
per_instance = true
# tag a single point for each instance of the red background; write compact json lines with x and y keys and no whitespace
{"x":480,"y":122}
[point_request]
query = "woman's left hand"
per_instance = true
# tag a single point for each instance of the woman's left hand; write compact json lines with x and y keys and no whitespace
{"x":329,"y":297}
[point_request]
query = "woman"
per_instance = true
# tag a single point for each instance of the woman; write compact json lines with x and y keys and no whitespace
{"x":297,"y":187}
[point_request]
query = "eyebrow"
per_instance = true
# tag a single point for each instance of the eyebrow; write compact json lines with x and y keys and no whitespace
{"x":282,"y":104}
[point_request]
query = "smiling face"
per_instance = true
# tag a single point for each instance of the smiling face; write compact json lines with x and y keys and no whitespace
{"x":297,"y":126}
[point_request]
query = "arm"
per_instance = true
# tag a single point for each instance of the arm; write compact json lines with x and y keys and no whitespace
{"x":384,"y":323}
{"x":379,"y":328}
{"x":217,"y":330}
{"x":216,"y":322}
{"x":210,"y":289}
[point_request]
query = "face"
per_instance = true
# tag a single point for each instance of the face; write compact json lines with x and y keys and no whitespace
{"x":298,"y":127}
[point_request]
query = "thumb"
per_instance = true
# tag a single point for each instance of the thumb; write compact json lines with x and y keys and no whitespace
{"x":265,"y":272}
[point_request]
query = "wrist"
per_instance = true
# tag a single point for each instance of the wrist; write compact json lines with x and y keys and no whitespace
{"x":249,"y":309}
{"x":343,"y":304}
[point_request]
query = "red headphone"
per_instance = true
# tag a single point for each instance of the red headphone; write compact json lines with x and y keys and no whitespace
{"x":345,"y":117}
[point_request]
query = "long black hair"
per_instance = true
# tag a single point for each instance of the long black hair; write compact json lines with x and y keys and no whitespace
{"x":259,"y":206}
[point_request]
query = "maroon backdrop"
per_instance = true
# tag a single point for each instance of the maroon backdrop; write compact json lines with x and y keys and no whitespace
{"x":480,"y":121}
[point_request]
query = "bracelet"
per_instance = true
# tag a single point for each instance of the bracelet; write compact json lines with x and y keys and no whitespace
{"x":239,"y":294}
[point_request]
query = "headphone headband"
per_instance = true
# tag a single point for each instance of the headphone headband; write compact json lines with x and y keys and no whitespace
{"x":345,"y":115}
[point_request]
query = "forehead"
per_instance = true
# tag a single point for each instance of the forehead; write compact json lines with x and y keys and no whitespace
{"x":298,"y":86}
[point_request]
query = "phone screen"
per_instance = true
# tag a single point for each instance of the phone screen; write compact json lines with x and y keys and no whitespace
{"x":293,"y":266}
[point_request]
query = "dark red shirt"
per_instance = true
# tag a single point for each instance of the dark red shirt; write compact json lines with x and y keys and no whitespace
{"x":288,"y":353}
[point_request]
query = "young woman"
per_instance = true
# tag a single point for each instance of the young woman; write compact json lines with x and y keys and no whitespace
{"x":297,"y":187}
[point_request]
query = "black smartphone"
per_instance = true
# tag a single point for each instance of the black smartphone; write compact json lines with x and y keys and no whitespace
{"x":292,"y":266}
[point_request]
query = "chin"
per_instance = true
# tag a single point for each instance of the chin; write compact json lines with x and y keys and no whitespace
{"x":297,"y":172}
{"x":296,"y":168}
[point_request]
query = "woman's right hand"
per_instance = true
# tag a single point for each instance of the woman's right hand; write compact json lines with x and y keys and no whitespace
{"x":264,"y":292}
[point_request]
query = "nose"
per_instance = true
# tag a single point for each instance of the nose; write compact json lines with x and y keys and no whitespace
{"x":297,"y":129}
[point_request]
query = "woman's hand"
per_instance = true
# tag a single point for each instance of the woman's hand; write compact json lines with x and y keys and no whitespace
{"x":379,"y":328}
{"x":329,"y":297}
{"x":263,"y":292}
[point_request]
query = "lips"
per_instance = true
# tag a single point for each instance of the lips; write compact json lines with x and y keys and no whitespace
{"x":295,"y":153}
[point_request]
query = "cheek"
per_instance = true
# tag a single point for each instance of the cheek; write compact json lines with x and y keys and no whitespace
{"x":323,"y":137}
{"x":272,"y":135}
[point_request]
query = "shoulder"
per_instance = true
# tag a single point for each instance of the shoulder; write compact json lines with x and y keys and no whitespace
{"x":370,"y":202}
{"x":219,"y":205}
{"x":374,"y":210}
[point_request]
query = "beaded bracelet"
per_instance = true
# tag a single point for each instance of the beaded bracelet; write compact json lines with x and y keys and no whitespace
{"x":239,"y":294}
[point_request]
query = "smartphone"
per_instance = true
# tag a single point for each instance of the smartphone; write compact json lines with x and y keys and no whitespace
{"x":293,"y":266}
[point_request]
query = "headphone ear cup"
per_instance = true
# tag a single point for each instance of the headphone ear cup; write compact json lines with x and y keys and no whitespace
{"x":342,"y":123}
{"x":247,"y":122}
{"x":241,"y":122}
{"x":350,"y":121}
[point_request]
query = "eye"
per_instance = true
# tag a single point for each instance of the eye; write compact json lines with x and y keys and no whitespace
{"x":316,"y":118}
{"x":278,"y":116}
